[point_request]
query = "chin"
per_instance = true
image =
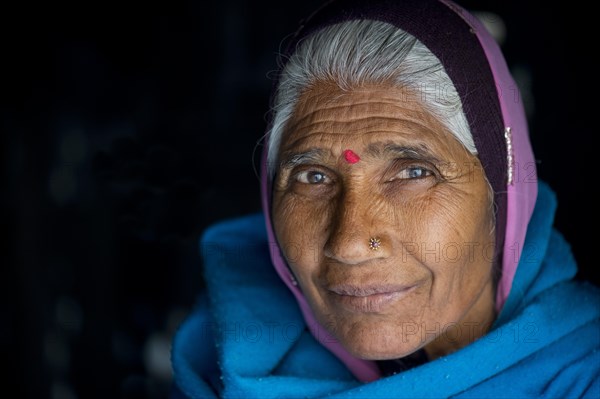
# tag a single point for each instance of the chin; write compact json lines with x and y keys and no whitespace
{"x":380,"y":343}
{"x":378,"y":352}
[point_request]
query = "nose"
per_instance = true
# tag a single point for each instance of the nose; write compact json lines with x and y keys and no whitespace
{"x":358,"y":233}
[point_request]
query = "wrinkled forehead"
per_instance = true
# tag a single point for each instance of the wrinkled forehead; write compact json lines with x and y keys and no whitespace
{"x":363,"y":119}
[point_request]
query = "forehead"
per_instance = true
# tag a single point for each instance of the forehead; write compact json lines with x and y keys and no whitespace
{"x":328,"y":115}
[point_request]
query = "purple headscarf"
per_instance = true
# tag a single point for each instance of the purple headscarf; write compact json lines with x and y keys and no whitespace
{"x":491,"y":102}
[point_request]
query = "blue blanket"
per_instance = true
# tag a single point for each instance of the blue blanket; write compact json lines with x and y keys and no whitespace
{"x":249,"y":340}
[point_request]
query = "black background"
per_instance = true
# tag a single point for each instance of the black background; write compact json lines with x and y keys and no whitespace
{"x":128,"y":128}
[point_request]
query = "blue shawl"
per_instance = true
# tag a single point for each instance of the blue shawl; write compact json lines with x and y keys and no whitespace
{"x":249,"y":339}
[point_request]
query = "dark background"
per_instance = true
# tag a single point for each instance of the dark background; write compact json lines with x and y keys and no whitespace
{"x":128,"y":128}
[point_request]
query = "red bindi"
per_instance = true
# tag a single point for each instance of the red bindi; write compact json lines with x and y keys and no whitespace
{"x":351,"y":157}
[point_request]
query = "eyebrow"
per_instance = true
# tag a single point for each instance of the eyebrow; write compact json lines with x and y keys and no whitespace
{"x":292,"y":159}
{"x":390,"y":149}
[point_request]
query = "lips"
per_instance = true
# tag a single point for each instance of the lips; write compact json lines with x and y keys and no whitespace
{"x":369,"y":298}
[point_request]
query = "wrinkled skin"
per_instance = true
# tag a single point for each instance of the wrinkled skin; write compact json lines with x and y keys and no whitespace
{"x":418,"y":190}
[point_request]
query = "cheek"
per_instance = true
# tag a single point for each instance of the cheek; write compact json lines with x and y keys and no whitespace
{"x":300,"y":227}
{"x":457,"y":243}
{"x":456,"y":215}
{"x":447,"y":226}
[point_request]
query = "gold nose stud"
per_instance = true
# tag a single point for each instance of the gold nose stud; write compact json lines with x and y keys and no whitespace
{"x":374,"y":243}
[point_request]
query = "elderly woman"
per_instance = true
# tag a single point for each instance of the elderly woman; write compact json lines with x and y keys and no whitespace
{"x":406,"y":248}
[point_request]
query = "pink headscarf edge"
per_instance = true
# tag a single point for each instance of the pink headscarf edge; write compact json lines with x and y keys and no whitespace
{"x":522,"y":191}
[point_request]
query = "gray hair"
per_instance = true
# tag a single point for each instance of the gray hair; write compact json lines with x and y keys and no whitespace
{"x":359,"y":52}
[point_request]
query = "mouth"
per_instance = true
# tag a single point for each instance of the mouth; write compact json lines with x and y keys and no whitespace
{"x":368,"y":299}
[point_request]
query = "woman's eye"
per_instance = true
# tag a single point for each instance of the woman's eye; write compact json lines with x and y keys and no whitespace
{"x":413,"y":172}
{"x":312,"y":177}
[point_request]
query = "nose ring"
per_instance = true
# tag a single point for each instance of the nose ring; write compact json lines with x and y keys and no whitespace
{"x":374,"y":243}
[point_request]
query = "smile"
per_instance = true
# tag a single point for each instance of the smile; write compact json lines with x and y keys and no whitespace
{"x":368,"y":299}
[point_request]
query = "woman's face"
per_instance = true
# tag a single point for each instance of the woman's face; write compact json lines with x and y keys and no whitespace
{"x":407,"y":183}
